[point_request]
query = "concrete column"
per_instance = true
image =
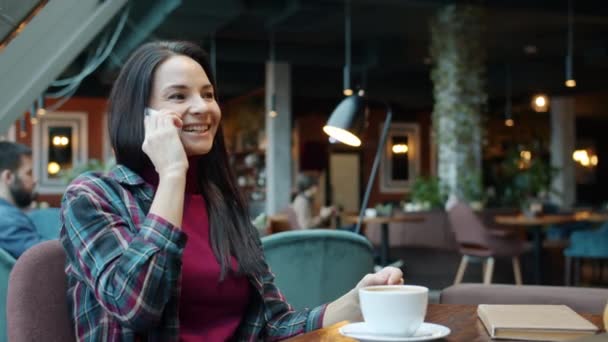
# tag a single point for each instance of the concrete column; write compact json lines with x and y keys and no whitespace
{"x":278,"y":132}
{"x":563,"y":140}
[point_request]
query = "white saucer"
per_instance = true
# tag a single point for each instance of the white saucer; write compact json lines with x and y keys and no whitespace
{"x":426,"y":332}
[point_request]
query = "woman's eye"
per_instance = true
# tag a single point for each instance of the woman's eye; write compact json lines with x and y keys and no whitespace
{"x":176,"y":96}
{"x":208,"y":95}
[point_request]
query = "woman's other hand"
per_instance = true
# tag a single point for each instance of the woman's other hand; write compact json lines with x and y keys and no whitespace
{"x":162,"y":143}
{"x":387,"y":276}
{"x":347,"y":306}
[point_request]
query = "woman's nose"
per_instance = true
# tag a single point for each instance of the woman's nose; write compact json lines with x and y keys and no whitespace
{"x":198,"y":105}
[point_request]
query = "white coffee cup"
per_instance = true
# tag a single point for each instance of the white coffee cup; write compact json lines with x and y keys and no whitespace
{"x":394,"y":310}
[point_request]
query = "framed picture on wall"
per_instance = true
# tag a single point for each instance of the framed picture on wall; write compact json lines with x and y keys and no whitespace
{"x":59,"y":144}
{"x":400,"y":163}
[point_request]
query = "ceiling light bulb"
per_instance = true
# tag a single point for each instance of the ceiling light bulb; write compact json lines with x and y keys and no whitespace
{"x":509,"y":123}
{"x":53,"y":168}
{"x":594,"y":160}
{"x":400,"y":148}
{"x":540,"y":101}
{"x":571,"y":83}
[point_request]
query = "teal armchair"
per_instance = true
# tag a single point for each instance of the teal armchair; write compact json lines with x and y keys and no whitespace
{"x":6,"y":265}
{"x":589,"y":244}
{"x":316,"y":266}
{"x":47,"y":222}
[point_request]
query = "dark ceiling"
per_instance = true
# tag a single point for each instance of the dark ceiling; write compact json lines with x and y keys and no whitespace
{"x":390,"y":44}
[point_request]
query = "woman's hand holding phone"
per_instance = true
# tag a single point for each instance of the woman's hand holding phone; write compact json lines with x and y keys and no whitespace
{"x":162,"y":143}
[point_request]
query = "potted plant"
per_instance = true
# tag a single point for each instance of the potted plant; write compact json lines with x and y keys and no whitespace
{"x":526,"y":183}
{"x":91,"y":165}
{"x":426,"y":193}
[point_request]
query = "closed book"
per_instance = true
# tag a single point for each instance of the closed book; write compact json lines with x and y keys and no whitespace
{"x":593,"y":338}
{"x":534,"y":322}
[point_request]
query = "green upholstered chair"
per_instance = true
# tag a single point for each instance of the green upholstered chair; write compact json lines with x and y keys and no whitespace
{"x":316,"y":266}
{"x":47,"y":222}
{"x":6,"y":265}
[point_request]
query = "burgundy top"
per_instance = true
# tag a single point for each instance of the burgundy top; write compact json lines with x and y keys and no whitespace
{"x":209,"y":310}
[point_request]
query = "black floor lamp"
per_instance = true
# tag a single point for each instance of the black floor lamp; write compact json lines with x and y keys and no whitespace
{"x":346,"y":124}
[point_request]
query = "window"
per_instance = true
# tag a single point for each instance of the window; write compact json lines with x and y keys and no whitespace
{"x":401,"y":158}
{"x":59,"y":144}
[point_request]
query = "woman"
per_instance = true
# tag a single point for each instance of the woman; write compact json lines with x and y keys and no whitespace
{"x":161,"y":249}
{"x":303,"y":202}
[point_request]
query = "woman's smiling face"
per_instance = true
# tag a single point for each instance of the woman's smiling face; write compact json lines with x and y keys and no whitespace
{"x":181,"y":86}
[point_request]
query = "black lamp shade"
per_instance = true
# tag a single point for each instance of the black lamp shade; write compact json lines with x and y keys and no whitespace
{"x":347,"y":121}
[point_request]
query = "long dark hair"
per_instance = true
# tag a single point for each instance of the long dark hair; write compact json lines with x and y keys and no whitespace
{"x":231,"y":230}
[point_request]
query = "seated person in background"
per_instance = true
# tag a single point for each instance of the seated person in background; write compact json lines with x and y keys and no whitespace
{"x":302,"y":204}
{"x":17,"y":231}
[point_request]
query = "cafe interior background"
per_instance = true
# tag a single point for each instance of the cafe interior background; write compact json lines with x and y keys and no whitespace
{"x":519,"y":87}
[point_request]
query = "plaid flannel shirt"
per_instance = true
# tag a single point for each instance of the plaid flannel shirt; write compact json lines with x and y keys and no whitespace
{"x":124,"y":264}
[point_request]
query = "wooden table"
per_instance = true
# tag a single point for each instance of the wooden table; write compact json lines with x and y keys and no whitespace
{"x":384,"y":221}
{"x":461,"y":319}
{"x":589,"y":216}
{"x":537,"y":223}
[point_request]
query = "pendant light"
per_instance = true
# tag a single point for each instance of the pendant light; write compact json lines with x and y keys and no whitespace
{"x":33,"y":111}
{"x":41,"y":107}
{"x":540,"y":103}
{"x":272,"y":112}
{"x":508,"y":104}
{"x":570,"y":81}
{"x":347,"y":90}
{"x":22,"y":128}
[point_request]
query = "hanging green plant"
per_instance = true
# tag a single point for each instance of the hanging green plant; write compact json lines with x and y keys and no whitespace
{"x":458,"y":77}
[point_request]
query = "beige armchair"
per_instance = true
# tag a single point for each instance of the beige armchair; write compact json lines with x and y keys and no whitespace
{"x":476,"y":242}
